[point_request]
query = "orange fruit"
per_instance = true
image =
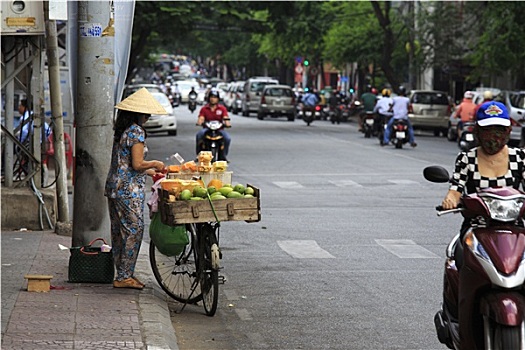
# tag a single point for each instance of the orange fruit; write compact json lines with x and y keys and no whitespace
{"x":215,"y":183}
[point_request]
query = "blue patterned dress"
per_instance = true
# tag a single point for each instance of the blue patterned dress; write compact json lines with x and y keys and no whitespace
{"x":125,"y":189}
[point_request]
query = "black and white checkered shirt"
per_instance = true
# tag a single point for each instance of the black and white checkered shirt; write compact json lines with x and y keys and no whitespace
{"x":467,"y":173}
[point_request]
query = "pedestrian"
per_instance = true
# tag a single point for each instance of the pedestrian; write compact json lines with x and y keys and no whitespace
{"x":126,"y":182}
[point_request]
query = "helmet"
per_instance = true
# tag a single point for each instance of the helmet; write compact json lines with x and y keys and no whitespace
{"x":402,"y":90}
{"x":468,"y":94}
{"x":374,"y":91}
{"x":385,"y":92}
{"x":487,"y":95}
{"x":213,"y":92}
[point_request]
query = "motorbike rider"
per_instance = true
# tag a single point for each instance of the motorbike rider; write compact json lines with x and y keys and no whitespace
{"x":368,"y":99}
{"x":214,"y":111}
{"x":465,"y":111}
{"x":491,"y":164}
{"x":310,"y":99}
{"x":400,"y":108}
{"x":382,"y":109}
{"x":192,"y":94}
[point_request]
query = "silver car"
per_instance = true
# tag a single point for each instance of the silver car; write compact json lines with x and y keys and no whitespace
{"x":162,"y":123}
{"x":431,"y":110}
{"x":277,"y":101}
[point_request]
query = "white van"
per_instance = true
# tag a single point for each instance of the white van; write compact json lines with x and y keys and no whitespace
{"x":251,"y":96}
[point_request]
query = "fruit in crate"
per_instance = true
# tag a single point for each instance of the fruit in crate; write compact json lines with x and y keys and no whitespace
{"x":189,"y":166}
{"x":220,"y":166}
{"x":239,"y":188}
{"x":174,"y":168}
{"x":205,"y":157}
{"x":199,"y":191}
{"x":234,"y":194}
{"x":224,"y":190}
{"x":215,"y":183}
{"x":249,"y":191}
{"x":185,"y":195}
{"x":204,"y":168}
{"x":212,"y":189}
{"x":175,"y":186}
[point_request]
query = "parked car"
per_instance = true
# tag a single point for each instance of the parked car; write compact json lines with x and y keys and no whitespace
{"x":130,"y":89}
{"x":498,"y":95}
{"x":431,"y":110}
{"x":277,"y":101}
{"x":185,"y":88}
{"x":233,"y":97}
{"x":252,"y":93}
{"x":162,"y":123}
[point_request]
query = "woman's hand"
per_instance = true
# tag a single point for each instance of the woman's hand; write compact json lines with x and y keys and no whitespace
{"x":451,"y":200}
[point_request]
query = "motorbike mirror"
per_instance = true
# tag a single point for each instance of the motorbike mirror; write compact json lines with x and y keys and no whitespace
{"x":436,"y":173}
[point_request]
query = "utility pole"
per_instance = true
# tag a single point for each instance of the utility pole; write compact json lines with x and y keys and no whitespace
{"x":56,"y":116}
{"x":94,"y":120}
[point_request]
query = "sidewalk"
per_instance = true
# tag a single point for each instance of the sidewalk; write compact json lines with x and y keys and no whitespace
{"x":76,"y":315}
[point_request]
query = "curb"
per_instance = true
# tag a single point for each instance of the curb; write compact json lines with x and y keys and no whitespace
{"x":156,"y":323}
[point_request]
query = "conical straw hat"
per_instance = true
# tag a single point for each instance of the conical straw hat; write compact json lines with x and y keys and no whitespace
{"x":141,"y":101}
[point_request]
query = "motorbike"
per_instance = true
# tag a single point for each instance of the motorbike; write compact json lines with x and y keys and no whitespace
{"x":368,"y":124}
{"x":308,"y":113}
{"x":343,"y":113}
{"x":467,"y":141}
{"x":213,"y":140}
{"x":399,"y":134}
{"x":483,"y":287}
{"x":333,"y":114}
{"x":192,"y":102}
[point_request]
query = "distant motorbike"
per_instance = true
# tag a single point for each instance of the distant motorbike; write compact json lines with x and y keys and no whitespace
{"x":399,"y":133}
{"x":368,"y":124}
{"x":467,"y":140}
{"x":308,"y":113}
{"x":343,"y":113}
{"x":192,"y":102}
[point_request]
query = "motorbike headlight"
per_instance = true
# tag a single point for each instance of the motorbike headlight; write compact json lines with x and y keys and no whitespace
{"x":474,"y":245}
{"x":503,"y":210}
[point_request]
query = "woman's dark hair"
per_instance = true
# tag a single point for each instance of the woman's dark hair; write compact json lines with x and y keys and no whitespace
{"x":124,"y":120}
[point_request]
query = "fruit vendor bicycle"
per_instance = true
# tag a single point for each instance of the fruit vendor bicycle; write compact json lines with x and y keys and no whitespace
{"x":192,"y":274}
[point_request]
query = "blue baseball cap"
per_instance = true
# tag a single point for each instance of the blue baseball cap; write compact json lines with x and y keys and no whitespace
{"x":492,"y":113}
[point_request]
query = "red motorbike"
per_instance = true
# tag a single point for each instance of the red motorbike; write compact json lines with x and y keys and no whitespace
{"x":483,"y":288}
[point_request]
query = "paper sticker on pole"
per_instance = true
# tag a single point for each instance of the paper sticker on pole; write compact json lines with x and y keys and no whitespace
{"x":92,"y":30}
{"x":314,"y":71}
{"x":299,"y":69}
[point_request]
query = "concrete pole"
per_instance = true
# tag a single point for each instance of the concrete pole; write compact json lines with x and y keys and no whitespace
{"x":37,"y":91}
{"x":9,"y":119}
{"x":56,"y":116}
{"x":94,"y":121}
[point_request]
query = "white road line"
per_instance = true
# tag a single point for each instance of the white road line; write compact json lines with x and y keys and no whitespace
{"x":405,"y":249}
{"x":243,"y":314}
{"x":230,"y":294}
{"x":288,"y":184}
{"x":403,"y":182}
{"x":307,"y":249}
{"x":346,"y":183}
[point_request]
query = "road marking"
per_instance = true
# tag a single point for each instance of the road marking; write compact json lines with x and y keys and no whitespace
{"x":243,"y":314}
{"x":307,"y":249}
{"x":403,"y":182}
{"x":345,"y":183}
{"x":288,"y":184}
{"x":230,"y":294}
{"x":405,"y":249}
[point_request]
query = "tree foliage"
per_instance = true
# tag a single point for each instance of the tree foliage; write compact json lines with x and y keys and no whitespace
{"x":266,"y":36}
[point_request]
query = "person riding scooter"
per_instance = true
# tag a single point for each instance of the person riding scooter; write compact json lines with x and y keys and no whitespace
{"x":213,"y":111}
{"x":382,"y":109}
{"x":475,"y":308}
{"x":400,"y":109}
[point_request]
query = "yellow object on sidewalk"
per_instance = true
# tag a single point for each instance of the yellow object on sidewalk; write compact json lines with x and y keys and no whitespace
{"x":38,"y":283}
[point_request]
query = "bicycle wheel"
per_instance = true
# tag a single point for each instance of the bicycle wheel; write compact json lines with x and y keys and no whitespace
{"x":210,"y":274}
{"x":177,"y":275}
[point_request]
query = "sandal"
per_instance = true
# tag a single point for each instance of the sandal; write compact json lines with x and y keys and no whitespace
{"x":128,"y":283}
{"x":138,"y":281}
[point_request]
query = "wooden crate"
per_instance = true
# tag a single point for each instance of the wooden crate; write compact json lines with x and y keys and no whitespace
{"x":230,"y":209}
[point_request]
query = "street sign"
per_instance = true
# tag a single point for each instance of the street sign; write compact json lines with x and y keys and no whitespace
{"x":299,"y":69}
{"x":344,"y":79}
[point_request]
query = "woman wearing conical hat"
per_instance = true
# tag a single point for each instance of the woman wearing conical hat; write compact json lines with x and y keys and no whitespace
{"x":126,"y":182}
